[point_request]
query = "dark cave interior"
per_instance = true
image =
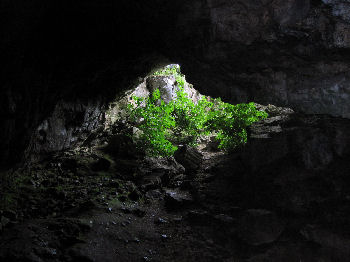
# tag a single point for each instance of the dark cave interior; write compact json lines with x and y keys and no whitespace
{"x":73,"y":188}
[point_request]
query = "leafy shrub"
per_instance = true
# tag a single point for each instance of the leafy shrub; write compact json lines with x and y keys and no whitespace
{"x":156,"y":121}
{"x":189,"y":117}
{"x":230,"y":122}
{"x":181,"y":121}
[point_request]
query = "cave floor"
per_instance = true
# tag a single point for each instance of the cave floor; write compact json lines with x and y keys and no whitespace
{"x":104,"y":216}
{"x":91,"y":204}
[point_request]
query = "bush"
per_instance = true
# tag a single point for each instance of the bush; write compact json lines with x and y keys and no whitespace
{"x":181,"y":121}
{"x":230,"y":122}
{"x":156,"y":121}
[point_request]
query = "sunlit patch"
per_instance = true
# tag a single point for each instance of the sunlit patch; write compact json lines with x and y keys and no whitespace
{"x":165,"y":112}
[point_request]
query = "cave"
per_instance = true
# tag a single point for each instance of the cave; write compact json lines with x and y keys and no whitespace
{"x":74,"y":187}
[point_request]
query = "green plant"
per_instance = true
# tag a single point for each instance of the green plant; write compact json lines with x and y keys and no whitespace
{"x":190,"y":118}
{"x":155,"y":122}
{"x":230,"y":122}
{"x":173,"y":71}
{"x":181,"y":121}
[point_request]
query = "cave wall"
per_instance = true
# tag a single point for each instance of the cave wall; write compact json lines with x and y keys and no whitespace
{"x":63,"y":58}
{"x":70,"y":54}
{"x":291,"y":53}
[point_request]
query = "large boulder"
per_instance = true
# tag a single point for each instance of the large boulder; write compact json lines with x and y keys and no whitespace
{"x":175,"y":199}
{"x":166,"y":85}
{"x":189,"y":157}
{"x":257,"y":227}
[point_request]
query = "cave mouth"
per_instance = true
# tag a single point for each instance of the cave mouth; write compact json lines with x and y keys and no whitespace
{"x":166,"y":112}
{"x":85,"y":192}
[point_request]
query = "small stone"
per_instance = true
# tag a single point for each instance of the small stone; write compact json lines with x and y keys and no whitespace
{"x":199,"y":216}
{"x":113,"y":184}
{"x":161,"y":221}
{"x":210,"y":241}
{"x":224,"y":218}
{"x":177,"y":219}
{"x":154,"y":194}
{"x":139,"y":212}
{"x":175,"y":199}
{"x":134,"y":195}
{"x":122,"y":198}
{"x":136,"y":240}
{"x":4,"y":221}
{"x":101,"y":165}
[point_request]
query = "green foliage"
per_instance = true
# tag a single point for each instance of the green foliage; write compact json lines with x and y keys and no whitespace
{"x":181,"y":121}
{"x":173,"y":71}
{"x":230,"y":122}
{"x":190,"y":118}
{"x":156,"y":121}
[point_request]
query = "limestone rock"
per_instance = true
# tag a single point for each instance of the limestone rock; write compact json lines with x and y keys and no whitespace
{"x":166,"y":86}
{"x":162,"y":165}
{"x":68,"y":123}
{"x":176,"y":199}
{"x":189,"y":157}
{"x":4,"y":221}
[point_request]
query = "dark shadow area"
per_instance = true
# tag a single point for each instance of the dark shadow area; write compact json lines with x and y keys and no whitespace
{"x":73,"y":185}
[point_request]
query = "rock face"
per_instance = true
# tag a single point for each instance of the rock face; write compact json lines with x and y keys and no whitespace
{"x":297,"y":163}
{"x":257,"y":227}
{"x":313,"y":141}
{"x":166,"y":86}
{"x":281,"y":52}
{"x":189,"y":157}
{"x":68,"y":124}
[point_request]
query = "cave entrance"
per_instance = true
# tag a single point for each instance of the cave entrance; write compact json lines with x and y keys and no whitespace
{"x":164,"y":113}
